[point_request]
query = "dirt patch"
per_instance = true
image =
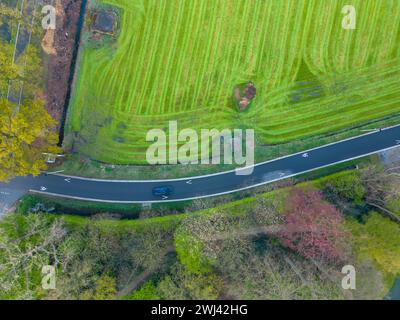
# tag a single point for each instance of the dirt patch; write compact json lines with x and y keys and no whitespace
{"x":48,"y":42}
{"x":244,"y":94}
{"x":59,"y":44}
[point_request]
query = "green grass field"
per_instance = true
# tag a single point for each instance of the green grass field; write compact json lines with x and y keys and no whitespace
{"x":181,"y":60}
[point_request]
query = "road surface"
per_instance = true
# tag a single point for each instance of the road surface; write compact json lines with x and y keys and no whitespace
{"x":117,"y":191}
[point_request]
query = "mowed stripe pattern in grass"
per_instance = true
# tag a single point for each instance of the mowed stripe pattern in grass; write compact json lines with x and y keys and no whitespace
{"x":180,"y":60}
{"x":356,"y":74}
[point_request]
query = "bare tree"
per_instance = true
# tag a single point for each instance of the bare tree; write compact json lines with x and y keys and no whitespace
{"x":29,"y":243}
{"x":382,"y":187}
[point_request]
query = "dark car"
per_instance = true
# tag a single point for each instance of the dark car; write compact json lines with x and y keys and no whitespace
{"x":162,"y":191}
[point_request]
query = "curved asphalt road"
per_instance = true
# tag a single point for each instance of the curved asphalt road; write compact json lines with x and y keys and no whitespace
{"x":209,"y":185}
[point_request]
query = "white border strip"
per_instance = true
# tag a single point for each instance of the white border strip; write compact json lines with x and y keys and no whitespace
{"x":229,"y":171}
{"x":216,"y":194}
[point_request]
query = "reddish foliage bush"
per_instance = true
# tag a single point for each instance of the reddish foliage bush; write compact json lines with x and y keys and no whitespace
{"x":312,"y":227}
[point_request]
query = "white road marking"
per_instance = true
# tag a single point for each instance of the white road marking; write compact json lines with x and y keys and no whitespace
{"x":189,"y":182}
{"x":164,"y":197}
{"x":5,"y":193}
{"x":305,"y":155}
{"x":54,"y":172}
{"x":233,"y":170}
{"x":43,"y":188}
{"x":67,"y":179}
{"x":369,"y":130}
{"x":215,"y":194}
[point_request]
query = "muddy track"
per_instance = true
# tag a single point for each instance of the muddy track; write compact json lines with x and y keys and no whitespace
{"x":62,"y":62}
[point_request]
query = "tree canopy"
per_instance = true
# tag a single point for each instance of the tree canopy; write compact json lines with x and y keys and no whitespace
{"x":312,"y":227}
{"x":25,"y":133}
{"x":378,"y":238}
